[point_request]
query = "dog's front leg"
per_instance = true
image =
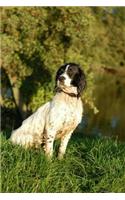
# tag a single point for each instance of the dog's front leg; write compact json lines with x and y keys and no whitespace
{"x":49,"y":144}
{"x":63,"y":145}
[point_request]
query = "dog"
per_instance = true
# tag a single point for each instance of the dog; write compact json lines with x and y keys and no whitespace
{"x":58,"y":118}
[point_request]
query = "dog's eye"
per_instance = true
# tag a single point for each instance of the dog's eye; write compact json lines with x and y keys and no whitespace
{"x":70,"y":69}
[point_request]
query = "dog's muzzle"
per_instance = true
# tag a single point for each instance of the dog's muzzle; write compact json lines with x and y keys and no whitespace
{"x":61,"y":79}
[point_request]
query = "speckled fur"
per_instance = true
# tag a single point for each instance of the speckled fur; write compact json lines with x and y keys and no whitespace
{"x":51,"y":121}
{"x":56,"y":119}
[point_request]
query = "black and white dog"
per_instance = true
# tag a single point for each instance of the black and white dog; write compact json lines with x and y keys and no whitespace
{"x":57,"y":118}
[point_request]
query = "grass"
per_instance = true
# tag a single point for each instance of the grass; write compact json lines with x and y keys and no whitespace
{"x":90,"y":165}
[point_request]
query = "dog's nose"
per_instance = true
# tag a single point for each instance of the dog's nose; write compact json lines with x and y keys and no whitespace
{"x":61,"y":78}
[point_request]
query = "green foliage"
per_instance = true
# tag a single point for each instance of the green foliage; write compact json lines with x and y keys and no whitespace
{"x":37,"y":40}
{"x":90,"y":165}
{"x":109,"y":42}
{"x":42,"y":95}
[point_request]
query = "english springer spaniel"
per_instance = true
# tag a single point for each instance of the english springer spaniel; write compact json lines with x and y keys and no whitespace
{"x":58,"y":118}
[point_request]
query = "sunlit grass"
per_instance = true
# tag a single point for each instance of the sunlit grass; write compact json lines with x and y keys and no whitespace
{"x":90,"y":165}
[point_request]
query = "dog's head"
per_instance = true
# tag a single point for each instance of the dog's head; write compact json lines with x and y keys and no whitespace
{"x":69,"y":76}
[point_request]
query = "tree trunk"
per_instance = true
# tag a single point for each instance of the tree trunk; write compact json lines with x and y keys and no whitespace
{"x":21,"y":106}
{"x":1,"y":99}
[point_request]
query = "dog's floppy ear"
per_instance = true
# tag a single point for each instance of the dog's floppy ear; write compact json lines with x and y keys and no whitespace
{"x":56,"y":89}
{"x":80,"y":82}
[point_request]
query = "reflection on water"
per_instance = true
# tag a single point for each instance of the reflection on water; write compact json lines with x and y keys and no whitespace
{"x":110,"y":99}
{"x":114,"y":122}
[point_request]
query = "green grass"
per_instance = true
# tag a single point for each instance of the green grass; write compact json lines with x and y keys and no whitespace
{"x":90,"y":165}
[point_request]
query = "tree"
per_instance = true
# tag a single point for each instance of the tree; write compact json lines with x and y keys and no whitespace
{"x":37,"y":40}
{"x":108,"y":48}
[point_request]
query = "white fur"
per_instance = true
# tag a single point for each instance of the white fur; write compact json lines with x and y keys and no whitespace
{"x":55,"y":119}
{"x":67,"y":81}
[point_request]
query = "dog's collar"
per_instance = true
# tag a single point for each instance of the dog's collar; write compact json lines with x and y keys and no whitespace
{"x":70,"y":94}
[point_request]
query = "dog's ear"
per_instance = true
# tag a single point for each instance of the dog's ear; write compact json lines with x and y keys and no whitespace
{"x":56,"y":79}
{"x":80,"y":82}
{"x":55,"y":88}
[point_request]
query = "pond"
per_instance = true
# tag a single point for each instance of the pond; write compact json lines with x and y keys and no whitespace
{"x":110,"y":100}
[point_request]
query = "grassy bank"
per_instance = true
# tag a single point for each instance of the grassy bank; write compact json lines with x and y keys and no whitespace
{"x":90,"y":165}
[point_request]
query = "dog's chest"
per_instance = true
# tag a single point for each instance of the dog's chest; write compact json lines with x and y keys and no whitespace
{"x":65,"y":114}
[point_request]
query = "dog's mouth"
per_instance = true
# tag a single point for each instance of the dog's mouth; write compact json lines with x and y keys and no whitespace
{"x":61,"y":83}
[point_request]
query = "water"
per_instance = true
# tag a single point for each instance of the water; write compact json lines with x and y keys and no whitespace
{"x":110,"y":100}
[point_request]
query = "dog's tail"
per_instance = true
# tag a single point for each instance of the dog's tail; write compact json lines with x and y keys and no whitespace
{"x":31,"y":131}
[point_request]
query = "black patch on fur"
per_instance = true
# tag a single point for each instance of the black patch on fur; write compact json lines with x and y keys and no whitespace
{"x":76,"y":74}
{"x":79,"y":81}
